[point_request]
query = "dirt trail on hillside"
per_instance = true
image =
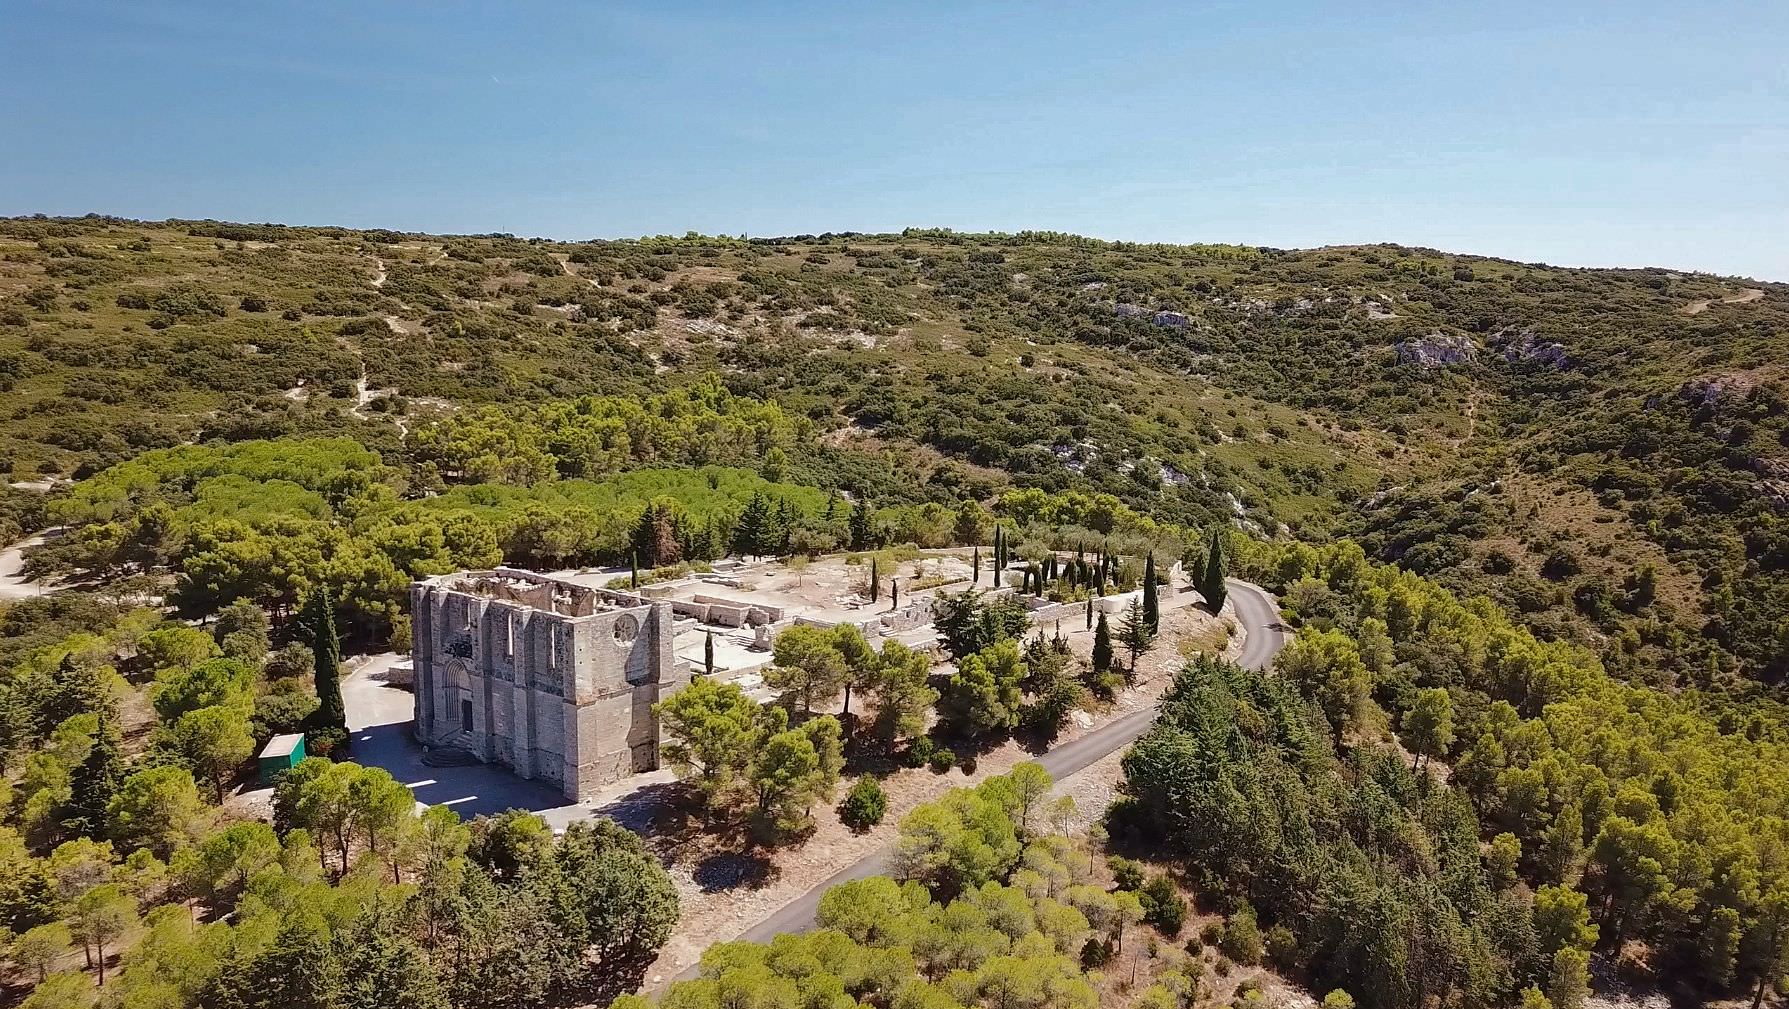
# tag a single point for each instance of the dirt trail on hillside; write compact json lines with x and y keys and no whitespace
{"x":13,"y":583}
{"x":1701,"y":305}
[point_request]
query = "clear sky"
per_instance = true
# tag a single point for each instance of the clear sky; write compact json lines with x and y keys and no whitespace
{"x":1583,"y":133}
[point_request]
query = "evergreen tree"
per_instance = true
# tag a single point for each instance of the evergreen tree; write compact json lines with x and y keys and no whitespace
{"x":875,"y":581}
{"x":1102,"y":645}
{"x":298,"y":971}
{"x":326,"y":659}
{"x":1136,"y":634}
{"x":708,"y":653}
{"x":975,"y":567}
{"x":1211,"y":586}
{"x":95,"y":780}
{"x":633,"y":571}
{"x":862,"y":523}
{"x":1089,"y":611}
{"x":784,"y":527}
{"x":1152,"y":611}
{"x":749,"y":531}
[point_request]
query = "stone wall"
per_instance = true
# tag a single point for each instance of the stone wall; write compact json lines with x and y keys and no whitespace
{"x":555,"y":680}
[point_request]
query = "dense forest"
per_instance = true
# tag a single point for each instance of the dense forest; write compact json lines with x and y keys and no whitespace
{"x":1531,"y":525}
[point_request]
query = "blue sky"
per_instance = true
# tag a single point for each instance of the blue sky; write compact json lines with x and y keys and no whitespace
{"x":1582,"y":133}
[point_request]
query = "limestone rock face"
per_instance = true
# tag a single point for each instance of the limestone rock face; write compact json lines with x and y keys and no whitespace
{"x":1437,"y":350}
{"x":1525,"y":346}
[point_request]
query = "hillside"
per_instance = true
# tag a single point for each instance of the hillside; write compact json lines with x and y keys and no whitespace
{"x":1603,"y":451}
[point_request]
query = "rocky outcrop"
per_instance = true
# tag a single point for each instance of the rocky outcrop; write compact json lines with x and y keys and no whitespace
{"x":1163,"y":317}
{"x":1776,"y":492}
{"x":1719,"y":390}
{"x":1437,"y":350}
{"x":1525,"y":346}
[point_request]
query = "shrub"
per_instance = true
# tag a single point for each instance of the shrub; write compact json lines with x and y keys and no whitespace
{"x":326,"y":742}
{"x":1163,"y":906}
{"x":1096,"y":953}
{"x":1242,"y":937}
{"x":1282,"y":945}
{"x":919,"y":752}
{"x":941,"y":761}
{"x":1127,"y":871}
{"x":864,"y":804}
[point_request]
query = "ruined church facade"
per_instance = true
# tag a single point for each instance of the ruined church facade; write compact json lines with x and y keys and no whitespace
{"x":552,"y":679}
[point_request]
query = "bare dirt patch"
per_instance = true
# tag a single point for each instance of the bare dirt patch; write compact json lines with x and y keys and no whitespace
{"x":1701,"y":305}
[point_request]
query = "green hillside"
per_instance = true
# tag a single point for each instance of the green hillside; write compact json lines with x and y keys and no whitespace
{"x":1604,"y":452}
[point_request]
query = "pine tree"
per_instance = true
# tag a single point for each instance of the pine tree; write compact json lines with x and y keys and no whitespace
{"x":326,"y":658}
{"x":1102,"y":645}
{"x":1212,"y":586}
{"x":1152,"y":612}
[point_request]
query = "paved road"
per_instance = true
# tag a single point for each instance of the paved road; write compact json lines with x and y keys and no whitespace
{"x":1255,"y":610}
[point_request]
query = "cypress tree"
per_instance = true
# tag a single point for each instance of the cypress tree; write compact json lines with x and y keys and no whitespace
{"x":326,"y":659}
{"x":1102,"y":646}
{"x":894,"y":593}
{"x":1213,"y":588}
{"x":708,"y":653}
{"x":633,"y":571}
{"x":1152,"y":613}
{"x":875,"y":581}
{"x":975,"y":567}
{"x":1090,"y":611}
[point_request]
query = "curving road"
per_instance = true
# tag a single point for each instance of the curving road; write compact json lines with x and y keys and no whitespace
{"x":1255,"y":610}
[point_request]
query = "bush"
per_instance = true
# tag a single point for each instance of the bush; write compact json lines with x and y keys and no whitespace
{"x":1127,"y":871}
{"x":1242,"y":937}
{"x":1096,"y":953}
{"x":326,"y":742}
{"x":919,"y":752}
{"x":864,"y":804}
{"x":1282,"y":945}
{"x":1163,"y":906}
{"x":941,"y":761}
